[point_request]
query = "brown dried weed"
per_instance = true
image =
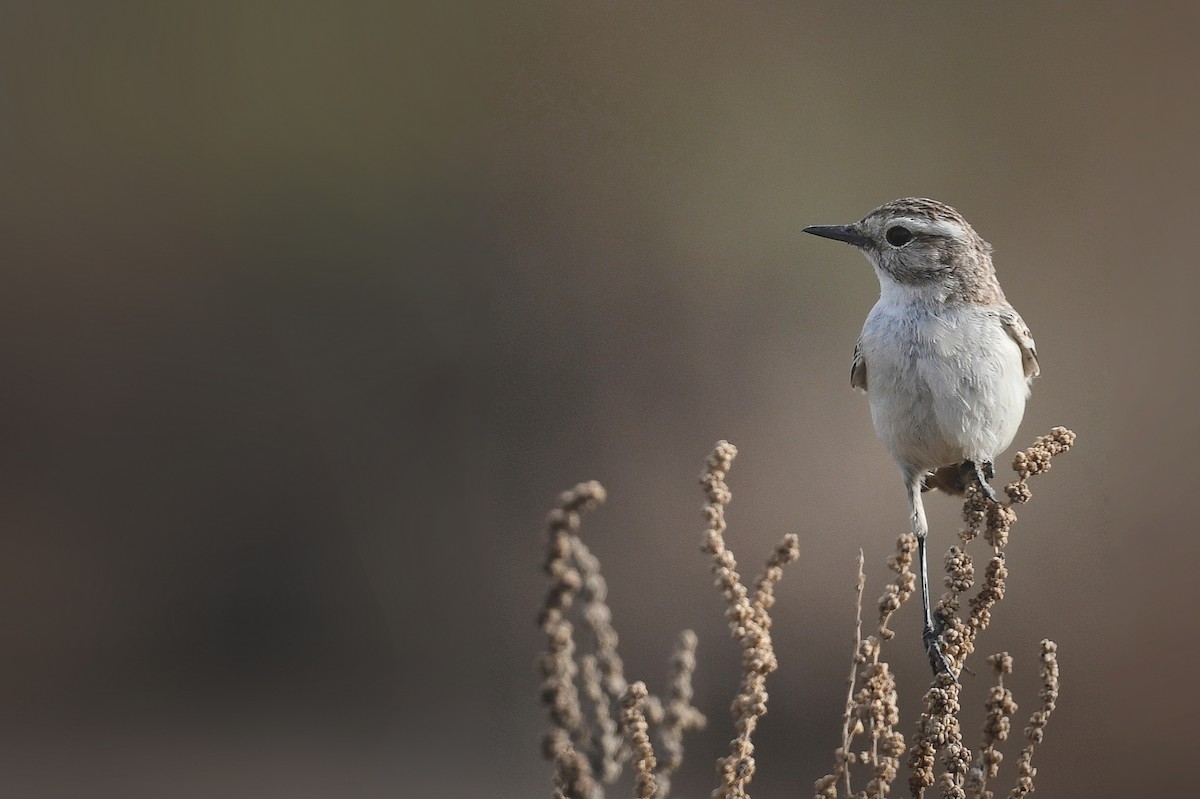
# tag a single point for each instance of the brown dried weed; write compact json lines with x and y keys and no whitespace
{"x":589,"y":743}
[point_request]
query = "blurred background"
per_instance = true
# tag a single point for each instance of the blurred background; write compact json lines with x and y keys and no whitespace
{"x":310,"y":311}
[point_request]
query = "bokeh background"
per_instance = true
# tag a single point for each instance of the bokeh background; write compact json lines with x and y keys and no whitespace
{"x":309,"y":310}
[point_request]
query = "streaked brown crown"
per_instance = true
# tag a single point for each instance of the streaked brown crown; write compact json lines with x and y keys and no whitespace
{"x":920,"y":207}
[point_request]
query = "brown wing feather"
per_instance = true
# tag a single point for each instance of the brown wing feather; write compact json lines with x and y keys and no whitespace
{"x":1015,"y":326}
{"x":858,"y":369}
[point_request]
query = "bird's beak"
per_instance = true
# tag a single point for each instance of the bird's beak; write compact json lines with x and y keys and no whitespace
{"x":847,"y":233}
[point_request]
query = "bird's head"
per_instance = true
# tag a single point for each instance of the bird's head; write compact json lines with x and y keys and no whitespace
{"x":921,"y":246}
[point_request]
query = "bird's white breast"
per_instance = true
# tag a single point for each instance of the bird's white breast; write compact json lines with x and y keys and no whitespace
{"x":946,"y":384}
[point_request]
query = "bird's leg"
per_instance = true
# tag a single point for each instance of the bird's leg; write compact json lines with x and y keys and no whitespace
{"x":984,"y":470}
{"x":930,"y":635}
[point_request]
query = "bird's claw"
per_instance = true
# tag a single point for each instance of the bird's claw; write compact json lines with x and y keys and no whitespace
{"x":937,"y":658}
{"x":990,"y":492}
{"x":982,"y":472}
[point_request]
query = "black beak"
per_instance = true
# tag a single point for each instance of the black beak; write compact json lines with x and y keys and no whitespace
{"x":846,"y":233}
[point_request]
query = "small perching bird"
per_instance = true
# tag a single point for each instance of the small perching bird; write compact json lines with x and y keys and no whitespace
{"x":945,"y":361}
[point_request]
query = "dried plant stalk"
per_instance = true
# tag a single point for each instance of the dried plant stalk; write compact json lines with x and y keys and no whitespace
{"x":593,"y":590}
{"x":604,"y":680}
{"x":581,"y":751}
{"x":606,"y":738}
{"x":749,"y":622}
{"x":1000,"y":707}
{"x":1037,"y":722}
{"x":826,"y":787}
{"x":586,"y":754}
{"x":897,"y":593}
{"x":633,"y":721}
{"x":574,"y":777}
{"x":678,"y":713}
{"x":873,"y":710}
{"x":938,"y":730}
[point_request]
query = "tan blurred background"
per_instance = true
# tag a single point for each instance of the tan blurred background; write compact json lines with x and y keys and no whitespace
{"x":310,"y":310}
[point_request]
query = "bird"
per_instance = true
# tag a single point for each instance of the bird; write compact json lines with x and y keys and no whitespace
{"x":946,"y":362}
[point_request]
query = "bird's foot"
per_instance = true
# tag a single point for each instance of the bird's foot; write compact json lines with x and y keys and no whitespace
{"x":937,"y":658}
{"x":984,"y":470}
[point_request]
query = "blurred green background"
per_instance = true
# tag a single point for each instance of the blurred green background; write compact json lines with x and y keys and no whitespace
{"x":310,"y":310}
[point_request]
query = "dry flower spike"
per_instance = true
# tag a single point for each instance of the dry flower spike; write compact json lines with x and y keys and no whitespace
{"x":937,"y":755}
{"x":938,"y":731}
{"x":588,"y":749}
{"x":749,"y":622}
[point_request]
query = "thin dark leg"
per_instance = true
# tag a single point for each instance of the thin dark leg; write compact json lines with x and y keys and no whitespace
{"x":930,"y":635}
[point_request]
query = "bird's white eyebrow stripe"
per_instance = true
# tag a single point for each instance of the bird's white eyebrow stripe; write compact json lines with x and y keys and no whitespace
{"x":941,"y":227}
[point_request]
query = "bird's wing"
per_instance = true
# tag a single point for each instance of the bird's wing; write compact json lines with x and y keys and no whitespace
{"x":858,"y":369}
{"x":1015,"y":326}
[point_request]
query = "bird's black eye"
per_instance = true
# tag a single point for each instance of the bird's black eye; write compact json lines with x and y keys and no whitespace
{"x":898,"y":236}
